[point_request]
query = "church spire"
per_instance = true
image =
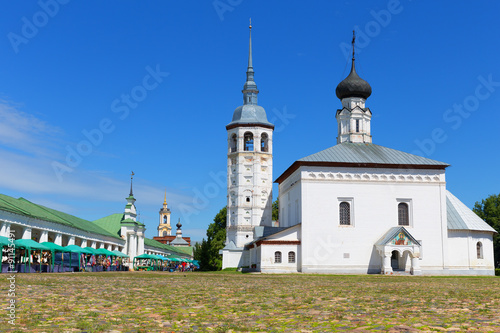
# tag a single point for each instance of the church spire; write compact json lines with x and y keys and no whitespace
{"x":250,"y":90}
{"x":165,"y":200}
{"x":131,"y":191}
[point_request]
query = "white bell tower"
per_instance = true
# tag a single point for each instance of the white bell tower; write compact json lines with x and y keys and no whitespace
{"x":249,"y":171}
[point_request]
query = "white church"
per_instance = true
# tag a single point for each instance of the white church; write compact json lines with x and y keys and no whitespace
{"x":354,"y":208}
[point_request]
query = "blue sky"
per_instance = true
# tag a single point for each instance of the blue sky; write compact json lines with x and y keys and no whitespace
{"x":67,"y":67}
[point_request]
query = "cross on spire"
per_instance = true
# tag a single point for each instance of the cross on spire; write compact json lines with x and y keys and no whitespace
{"x":353,"y":40}
{"x":131,"y":177}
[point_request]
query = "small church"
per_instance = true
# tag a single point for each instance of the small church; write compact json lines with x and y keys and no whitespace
{"x":353,"y":208}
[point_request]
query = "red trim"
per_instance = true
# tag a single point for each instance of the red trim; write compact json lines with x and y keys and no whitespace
{"x":276,"y":242}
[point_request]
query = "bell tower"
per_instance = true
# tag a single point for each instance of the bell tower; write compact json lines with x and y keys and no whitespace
{"x":249,"y":170}
{"x":164,"y":228}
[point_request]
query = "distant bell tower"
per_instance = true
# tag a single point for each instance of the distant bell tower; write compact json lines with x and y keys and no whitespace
{"x":249,"y":170}
{"x":164,"y":228}
{"x":354,"y":118}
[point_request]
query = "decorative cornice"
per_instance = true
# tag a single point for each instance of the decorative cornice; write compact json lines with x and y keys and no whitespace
{"x":298,"y":164}
{"x":372,"y":177}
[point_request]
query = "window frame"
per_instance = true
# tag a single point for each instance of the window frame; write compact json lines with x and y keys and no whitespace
{"x":293,"y":256}
{"x":350,"y":201}
{"x":409,"y":204}
{"x":479,"y":250}
{"x":278,"y":258}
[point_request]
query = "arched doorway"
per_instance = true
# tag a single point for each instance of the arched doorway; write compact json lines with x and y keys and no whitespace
{"x":395,"y":260}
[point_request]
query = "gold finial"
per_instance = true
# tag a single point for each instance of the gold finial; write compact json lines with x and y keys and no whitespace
{"x":132,"y":175}
{"x":250,"y":24}
{"x":165,"y":201}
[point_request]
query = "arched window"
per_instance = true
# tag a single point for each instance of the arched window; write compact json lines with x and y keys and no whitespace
{"x":164,"y":218}
{"x":165,"y":233}
{"x":234,"y":143}
{"x":291,"y":257}
{"x":345,"y":213}
{"x":248,"y":141}
{"x":403,"y":217}
{"x":264,"y":143}
{"x":357,"y":125}
{"x":277,"y":257}
{"x":479,"y":248}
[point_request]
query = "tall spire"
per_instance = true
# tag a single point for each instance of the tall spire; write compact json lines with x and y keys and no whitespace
{"x":165,"y":200}
{"x":250,"y":90}
{"x":131,"y":177}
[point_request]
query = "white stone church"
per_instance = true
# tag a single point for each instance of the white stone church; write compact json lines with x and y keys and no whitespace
{"x":356,"y":207}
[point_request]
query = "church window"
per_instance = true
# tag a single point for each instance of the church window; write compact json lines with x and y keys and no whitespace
{"x":277,"y":257}
{"x":234,"y":141}
{"x":264,"y":143}
{"x":479,"y":248}
{"x":291,"y":257}
{"x":248,"y":141}
{"x":248,"y":199}
{"x":165,"y":234}
{"x":403,"y":216}
{"x":345,"y":213}
{"x":357,"y":125}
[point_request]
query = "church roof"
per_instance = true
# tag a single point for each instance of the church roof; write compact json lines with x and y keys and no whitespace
{"x":185,"y":250}
{"x":460,"y":217}
{"x":179,"y":241}
{"x":364,"y":155}
{"x":24,"y":207}
{"x":368,"y":153}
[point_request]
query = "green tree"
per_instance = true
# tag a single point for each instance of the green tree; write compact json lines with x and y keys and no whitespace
{"x":489,"y":210}
{"x":207,"y":253}
{"x":276,"y":210}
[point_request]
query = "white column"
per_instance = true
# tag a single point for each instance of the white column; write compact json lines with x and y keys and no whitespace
{"x":415,"y":266}
{"x":58,"y":240}
{"x":27,"y":233}
{"x":93,"y":245}
{"x":71,"y":240}
{"x":101,"y":246}
{"x":84,"y":243}
{"x":110,"y":247}
{"x":44,"y":236}
{"x":132,"y":247}
{"x":387,"y":268}
{"x":140,"y":244}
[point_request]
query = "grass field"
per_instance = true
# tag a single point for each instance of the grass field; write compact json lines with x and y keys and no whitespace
{"x":234,"y":302}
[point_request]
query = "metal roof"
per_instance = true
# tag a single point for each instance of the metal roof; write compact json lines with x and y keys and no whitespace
{"x":24,"y":207}
{"x":368,"y":153}
{"x":250,"y":114}
{"x":460,"y":217}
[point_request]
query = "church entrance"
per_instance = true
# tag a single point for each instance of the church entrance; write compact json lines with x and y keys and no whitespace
{"x":395,"y":260}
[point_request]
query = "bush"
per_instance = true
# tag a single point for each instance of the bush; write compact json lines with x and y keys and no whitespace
{"x":497,"y":271}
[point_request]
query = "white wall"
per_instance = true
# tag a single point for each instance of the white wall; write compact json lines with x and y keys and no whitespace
{"x":463,"y":252}
{"x":329,"y":247}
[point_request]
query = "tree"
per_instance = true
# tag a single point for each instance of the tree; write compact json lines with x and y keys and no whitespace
{"x":207,"y":253}
{"x":276,"y":210}
{"x":489,"y":210}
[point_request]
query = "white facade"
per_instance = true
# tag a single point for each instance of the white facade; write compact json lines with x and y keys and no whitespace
{"x":358,"y":208}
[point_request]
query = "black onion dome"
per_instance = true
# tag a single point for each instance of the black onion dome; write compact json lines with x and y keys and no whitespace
{"x":353,"y":86}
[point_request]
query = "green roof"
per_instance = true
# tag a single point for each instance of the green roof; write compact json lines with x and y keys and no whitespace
{"x":24,"y":207}
{"x":184,"y":250}
{"x":111,"y":223}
